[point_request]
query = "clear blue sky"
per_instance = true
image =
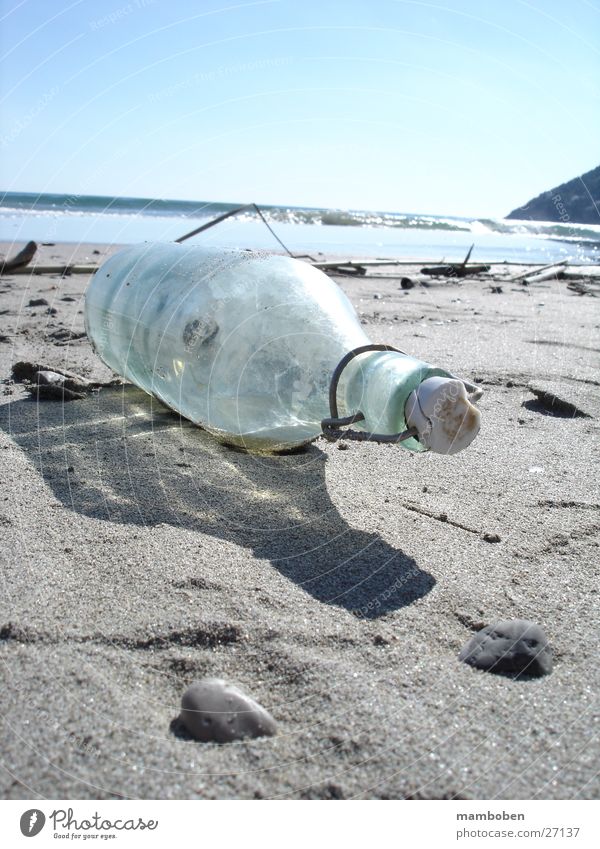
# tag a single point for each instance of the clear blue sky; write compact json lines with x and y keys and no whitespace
{"x":457,"y":107}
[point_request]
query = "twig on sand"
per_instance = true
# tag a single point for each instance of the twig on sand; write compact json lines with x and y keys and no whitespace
{"x":443,"y":517}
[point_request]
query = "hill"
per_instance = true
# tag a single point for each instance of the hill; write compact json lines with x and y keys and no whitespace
{"x":577,"y":201}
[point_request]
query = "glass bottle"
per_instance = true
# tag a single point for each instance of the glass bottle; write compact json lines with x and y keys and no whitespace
{"x":245,"y":343}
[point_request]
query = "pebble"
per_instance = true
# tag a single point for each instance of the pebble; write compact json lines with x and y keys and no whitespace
{"x":214,"y":711}
{"x":514,"y":646}
{"x":38,"y":302}
{"x":491,"y":537}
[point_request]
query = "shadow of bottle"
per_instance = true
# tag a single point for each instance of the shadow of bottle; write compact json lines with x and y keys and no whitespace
{"x":120,"y":455}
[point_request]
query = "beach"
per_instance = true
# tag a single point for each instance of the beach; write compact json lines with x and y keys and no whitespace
{"x":336,"y":587}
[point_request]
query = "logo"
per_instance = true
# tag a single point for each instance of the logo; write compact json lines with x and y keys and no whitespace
{"x":32,"y":822}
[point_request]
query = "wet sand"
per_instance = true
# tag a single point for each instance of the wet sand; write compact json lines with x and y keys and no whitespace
{"x":335,"y":587}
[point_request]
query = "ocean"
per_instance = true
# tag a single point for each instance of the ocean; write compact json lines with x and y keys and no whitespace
{"x":304,"y":230}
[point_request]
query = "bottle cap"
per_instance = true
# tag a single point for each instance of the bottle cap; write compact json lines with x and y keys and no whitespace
{"x":443,"y":415}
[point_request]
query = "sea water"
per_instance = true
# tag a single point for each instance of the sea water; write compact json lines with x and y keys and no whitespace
{"x":83,"y":218}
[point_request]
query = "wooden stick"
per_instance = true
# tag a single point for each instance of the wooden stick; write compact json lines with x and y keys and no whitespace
{"x":455,"y":270}
{"x":468,"y":256}
{"x":550,"y":274}
{"x":500,"y":262}
{"x":578,"y":273}
{"x":56,"y":269}
{"x":537,"y":270}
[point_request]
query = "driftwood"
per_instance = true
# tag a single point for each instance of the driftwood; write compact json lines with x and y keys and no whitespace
{"x":584,"y":287}
{"x":535,"y":266}
{"x":534,"y":271}
{"x":350,"y":269}
{"x":455,"y":269}
{"x":366,"y":263}
{"x":20,"y":260}
{"x":582,"y":272}
{"x":551,"y":274}
{"x":57,"y":269}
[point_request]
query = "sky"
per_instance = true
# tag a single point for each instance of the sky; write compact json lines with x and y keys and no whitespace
{"x":450,"y":108}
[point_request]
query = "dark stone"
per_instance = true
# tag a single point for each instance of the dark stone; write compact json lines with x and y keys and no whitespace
{"x":214,"y":711}
{"x":491,"y":537}
{"x":514,"y":647}
{"x":63,"y":334}
{"x":407,"y":283}
{"x":329,"y":791}
{"x":54,"y":383}
{"x":54,"y":386}
{"x":38,"y":302}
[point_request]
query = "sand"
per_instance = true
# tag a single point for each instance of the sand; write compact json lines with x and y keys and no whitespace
{"x":139,"y":555}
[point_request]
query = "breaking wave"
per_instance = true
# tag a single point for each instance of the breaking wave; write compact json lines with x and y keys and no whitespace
{"x":22,"y":203}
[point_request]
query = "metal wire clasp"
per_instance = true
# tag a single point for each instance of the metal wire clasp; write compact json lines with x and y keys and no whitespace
{"x":332,"y":427}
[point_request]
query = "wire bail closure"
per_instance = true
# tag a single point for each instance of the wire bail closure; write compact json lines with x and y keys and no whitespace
{"x":332,"y":427}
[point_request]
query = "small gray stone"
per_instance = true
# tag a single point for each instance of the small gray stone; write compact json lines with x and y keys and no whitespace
{"x":510,"y":647}
{"x":214,"y":711}
{"x":491,"y":537}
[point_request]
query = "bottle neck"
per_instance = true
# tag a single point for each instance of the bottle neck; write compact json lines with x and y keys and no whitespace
{"x":379,"y":385}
